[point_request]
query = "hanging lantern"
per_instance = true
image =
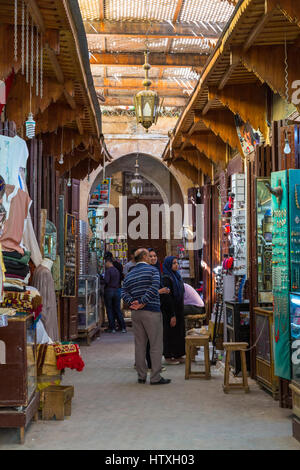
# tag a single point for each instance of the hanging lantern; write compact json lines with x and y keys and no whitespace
{"x":69,"y":182}
{"x":30,"y":126}
{"x":147,"y":101}
{"x":136,"y":184}
{"x":61,"y":159}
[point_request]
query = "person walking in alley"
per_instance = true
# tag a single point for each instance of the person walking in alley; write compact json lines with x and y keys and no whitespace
{"x":140,"y":292}
{"x":108,"y":256}
{"x":128,"y":266}
{"x":173,"y":313}
{"x":112,"y":296}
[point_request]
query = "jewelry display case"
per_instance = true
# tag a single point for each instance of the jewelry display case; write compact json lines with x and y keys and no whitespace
{"x":18,"y":376}
{"x":50,"y":241}
{"x":70,"y":257}
{"x":281,"y":273}
{"x":264,"y":241}
{"x":88,"y":306}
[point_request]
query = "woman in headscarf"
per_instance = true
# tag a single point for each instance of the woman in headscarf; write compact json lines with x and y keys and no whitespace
{"x":172,"y":309}
{"x":163,"y":290}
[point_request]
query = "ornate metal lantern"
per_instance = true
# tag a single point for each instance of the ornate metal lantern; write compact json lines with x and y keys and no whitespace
{"x":136,"y":185}
{"x":147,"y":101}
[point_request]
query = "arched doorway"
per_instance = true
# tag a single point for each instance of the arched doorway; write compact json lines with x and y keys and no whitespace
{"x":159,"y":187}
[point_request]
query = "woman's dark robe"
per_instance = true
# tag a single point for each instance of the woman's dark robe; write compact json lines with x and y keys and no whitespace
{"x":174,"y":338}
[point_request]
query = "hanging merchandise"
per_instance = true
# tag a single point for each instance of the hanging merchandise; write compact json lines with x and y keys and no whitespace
{"x":30,"y":126}
{"x":68,"y":356}
{"x":227,"y":228}
{"x":228,"y":207}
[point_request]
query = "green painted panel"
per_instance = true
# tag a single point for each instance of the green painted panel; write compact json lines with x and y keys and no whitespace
{"x":281,"y":276}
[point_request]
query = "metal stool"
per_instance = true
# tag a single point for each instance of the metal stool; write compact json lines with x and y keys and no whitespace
{"x":192,"y":342}
{"x":241,"y":348}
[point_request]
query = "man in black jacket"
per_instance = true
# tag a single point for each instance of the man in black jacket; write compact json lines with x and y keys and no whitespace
{"x":109,"y":257}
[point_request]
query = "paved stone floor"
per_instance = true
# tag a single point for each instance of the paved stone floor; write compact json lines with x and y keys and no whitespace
{"x":111,"y":411}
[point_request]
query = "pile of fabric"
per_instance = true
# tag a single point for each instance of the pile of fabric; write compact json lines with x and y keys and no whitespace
{"x":30,"y":302}
{"x":17,"y":270}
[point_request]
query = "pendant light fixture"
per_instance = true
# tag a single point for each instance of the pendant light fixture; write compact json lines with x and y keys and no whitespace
{"x":136,"y":185}
{"x":61,"y":159}
{"x":147,"y":101}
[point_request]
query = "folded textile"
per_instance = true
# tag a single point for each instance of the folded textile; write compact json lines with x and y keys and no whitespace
{"x":14,"y":276}
{"x":12,"y":254}
{"x":7,"y":256}
{"x":23,"y":271}
{"x":11,"y":288}
{"x":16,"y":282}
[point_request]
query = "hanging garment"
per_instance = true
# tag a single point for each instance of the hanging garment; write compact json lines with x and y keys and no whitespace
{"x":14,"y":226}
{"x":43,"y":281}
{"x":30,"y":242}
{"x":13,"y":156}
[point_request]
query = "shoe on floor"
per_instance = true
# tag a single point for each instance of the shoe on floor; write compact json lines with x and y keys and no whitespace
{"x":124,"y":331}
{"x":113,"y":332}
{"x":163,"y":369}
{"x":172,"y":362}
{"x":141,"y":381}
{"x":181,"y":360}
{"x":162,"y":381}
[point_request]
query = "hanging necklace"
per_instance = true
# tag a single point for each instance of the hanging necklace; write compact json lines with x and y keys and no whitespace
{"x":296,"y":197}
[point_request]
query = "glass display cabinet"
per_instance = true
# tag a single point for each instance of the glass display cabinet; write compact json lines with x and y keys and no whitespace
{"x":50,"y":243}
{"x":264,"y":241}
{"x":295,"y":344}
{"x":88,"y":306}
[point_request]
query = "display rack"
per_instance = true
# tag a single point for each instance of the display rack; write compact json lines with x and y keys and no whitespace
{"x":70,"y":255}
{"x":88,"y":307}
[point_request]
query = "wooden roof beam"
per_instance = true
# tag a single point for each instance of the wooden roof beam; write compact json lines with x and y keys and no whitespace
{"x":36,"y":14}
{"x":135,"y":83}
{"x":102,"y":10}
{"x":270,"y":6}
{"x":235,"y":60}
{"x":121,"y":29}
{"x":290,"y":9}
{"x":178,"y":10}
{"x":79,"y":125}
{"x":127,"y":100}
{"x":55,"y":64}
{"x":210,"y":100}
{"x":156,"y":60}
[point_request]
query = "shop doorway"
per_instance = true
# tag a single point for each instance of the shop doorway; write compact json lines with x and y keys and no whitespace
{"x":158,"y":244}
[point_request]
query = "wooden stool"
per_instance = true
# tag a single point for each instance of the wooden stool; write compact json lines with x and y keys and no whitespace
{"x":57,"y":401}
{"x":192,"y":342}
{"x":194,"y":321}
{"x":229,"y":348}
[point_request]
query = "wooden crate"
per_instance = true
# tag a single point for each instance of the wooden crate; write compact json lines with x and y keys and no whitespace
{"x":57,"y":402}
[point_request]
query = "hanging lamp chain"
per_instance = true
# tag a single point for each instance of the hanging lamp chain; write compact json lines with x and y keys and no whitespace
{"x":286,"y":76}
{"x":16,"y":30}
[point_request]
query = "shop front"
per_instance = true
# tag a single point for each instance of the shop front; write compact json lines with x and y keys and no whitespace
{"x":50,"y":138}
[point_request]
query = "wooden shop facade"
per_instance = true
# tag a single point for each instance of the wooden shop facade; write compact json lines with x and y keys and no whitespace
{"x":238,"y":140}
{"x":51,"y":138}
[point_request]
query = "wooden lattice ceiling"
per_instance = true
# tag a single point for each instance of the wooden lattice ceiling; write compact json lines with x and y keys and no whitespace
{"x":180,"y":36}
